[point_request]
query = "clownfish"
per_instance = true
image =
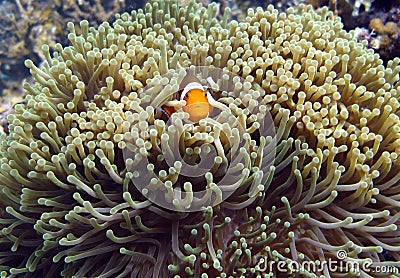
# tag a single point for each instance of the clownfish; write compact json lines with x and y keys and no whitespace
{"x":197,"y":102}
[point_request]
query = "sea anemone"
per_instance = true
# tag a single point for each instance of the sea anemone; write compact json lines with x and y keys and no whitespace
{"x":304,"y":145}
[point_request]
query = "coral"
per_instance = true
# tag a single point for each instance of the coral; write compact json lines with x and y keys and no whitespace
{"x":94,"y":11}
{"x":344,"y":8}
{"x":381,"y":17}
{"x":366,"y":4}
{"x":377,"y":25}
{"x":383,"y":35}
{"x":74,"y":156}
{"x":389,"y":28}
{"x":26,"y":25}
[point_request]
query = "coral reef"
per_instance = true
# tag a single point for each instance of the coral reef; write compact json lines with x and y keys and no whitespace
{"x":26,"y":25}
{"x":383,"y":34}
{"x":71,"y":164}
{"x":377,"y":22}
{"x":347,"y":9}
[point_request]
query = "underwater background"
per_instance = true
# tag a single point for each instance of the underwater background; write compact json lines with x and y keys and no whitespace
{"x":104,"y":172}
{"x":26,"y":25}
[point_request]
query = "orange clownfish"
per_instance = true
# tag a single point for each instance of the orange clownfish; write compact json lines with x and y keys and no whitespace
{"x":197,"y":102}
